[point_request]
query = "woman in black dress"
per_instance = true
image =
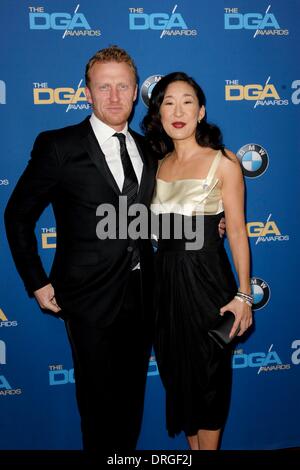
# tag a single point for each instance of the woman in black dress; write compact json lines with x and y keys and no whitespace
{"x":201,"y":180}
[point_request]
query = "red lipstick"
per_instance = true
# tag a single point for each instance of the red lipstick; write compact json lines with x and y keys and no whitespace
{"x":178,"y":124}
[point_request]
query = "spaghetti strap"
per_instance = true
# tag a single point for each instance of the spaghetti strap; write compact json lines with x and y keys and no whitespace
{"x":213,"y":168}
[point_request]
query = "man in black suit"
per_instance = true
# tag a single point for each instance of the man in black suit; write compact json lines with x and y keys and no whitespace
{"x":100,"y":287}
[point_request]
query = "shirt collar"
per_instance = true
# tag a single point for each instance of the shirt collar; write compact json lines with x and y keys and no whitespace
{"x":102,"y":131}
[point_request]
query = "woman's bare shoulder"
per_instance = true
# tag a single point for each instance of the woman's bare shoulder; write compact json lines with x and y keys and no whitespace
{"x":232,"y":156}
{"x":230,"y":165}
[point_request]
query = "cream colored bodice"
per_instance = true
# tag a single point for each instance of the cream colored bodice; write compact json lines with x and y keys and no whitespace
{"x":189,"y":196}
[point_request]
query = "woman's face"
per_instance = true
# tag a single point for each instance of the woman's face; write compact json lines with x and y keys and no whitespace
{"x":180,"y":111}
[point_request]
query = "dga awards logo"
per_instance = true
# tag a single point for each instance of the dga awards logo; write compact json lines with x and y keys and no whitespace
{"x":263,"y":94}
{"x":254,"y":160}
{"x":147,"y":87}
{"x":6,"y":389}
{"x":261,"y":293}
{"x":73,"y":98}
{"x":267,"y":231}
{"x":58,"y":375}
{"x":48,"y":237}
{"x":2,"y":92}
{"x":169,"y":24}
{"x":261,"y":24}
{"x":73,"y":24}
{"x":5,"y":322}
{"x":263,"y":361}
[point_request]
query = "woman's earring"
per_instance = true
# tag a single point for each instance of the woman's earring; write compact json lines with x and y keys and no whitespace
{"x":199,"y":120}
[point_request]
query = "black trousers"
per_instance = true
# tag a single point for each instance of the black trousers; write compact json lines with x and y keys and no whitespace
{"x":110,"y":366}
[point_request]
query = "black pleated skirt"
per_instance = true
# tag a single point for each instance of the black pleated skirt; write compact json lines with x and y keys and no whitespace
{"x":191,"y":287}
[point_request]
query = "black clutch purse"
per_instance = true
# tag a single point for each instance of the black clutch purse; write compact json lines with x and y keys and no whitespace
{"x":221,"y":330}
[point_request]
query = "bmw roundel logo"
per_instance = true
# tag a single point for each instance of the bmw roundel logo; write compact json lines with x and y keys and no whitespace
{"x":254,"y":160}
{"x":261,"y":293}
{"x":147,"y":87}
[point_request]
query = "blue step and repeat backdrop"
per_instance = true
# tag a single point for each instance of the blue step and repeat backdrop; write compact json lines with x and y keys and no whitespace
{"x":245,"y":54}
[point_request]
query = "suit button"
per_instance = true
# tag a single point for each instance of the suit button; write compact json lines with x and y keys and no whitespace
{"x":129,"y":248}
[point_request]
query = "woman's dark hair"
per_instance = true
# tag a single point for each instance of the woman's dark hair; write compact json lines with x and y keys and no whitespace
{"x":207,"y":135}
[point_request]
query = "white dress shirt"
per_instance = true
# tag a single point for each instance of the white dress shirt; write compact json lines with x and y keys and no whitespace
{"x":110,"y":146}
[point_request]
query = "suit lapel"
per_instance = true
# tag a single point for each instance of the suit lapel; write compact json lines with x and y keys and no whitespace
{"x":97,"y":156}
{"x":95,"y":153}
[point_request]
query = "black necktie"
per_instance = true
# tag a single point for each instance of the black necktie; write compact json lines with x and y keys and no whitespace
{"x":130,"y":185}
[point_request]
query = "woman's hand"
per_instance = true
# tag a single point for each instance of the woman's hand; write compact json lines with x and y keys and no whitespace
{"x":242,"y":313}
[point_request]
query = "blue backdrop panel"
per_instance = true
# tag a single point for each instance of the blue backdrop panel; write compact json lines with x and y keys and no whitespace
{"x":245,"y":55}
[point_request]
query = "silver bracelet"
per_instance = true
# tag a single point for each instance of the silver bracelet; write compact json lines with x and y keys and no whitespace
{"x":245,"y":301}
{"x":245,"y":296}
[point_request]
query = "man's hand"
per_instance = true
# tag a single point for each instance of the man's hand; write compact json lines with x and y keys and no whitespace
{"x":46,"y":298}
{"x":222,"y":227}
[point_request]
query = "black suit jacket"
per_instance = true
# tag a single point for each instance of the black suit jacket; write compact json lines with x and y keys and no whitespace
{"x":68,"y":169}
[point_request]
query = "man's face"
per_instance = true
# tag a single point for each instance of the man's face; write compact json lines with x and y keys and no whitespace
{"x":112,"y":91}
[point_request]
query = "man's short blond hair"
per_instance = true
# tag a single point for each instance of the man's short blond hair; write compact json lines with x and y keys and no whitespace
{"x":110,"y":54}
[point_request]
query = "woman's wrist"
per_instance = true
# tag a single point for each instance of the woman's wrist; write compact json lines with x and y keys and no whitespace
{"x":246,"y":289}
{"x":244,"y":297}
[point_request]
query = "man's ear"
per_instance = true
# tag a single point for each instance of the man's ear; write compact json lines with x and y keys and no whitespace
{"x":88,"y":95}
